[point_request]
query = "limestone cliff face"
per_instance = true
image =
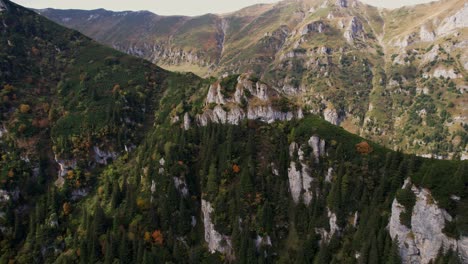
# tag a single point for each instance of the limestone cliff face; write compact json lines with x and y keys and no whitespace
{"x":299,"y":174}
{"x":251,"y":100}
{"x":216,"y":241}
{"x":421,"y":242}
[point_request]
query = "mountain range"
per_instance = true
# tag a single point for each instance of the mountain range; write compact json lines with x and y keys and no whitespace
{"x":108,"y":158}
{"x":398,"y":76}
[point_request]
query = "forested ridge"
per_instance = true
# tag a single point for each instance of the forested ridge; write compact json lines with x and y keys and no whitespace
{"x":93,"y":169}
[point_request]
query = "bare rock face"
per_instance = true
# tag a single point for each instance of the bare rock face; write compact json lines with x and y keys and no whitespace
{"x":267,"y":114}
{"x":426,"y":34}
{"x":233,"y":109}
{"x":334,"y":228}
{"x":181,"y":186}
{"x":329,"y":176}
{"x":458,"y":20}
{"x":445,"y":73}
{"x":317,"y":27}
{"x":421,"y":242}
{"x":187,"y":121}
{"x":101,"y":156}
{"x":342,"y":3}
{"x":295,"y":182}
{"x":299,"y":180}
{"x":355,"y":30}
{"x":332,"y":116}
{"x":318,"y":146}
{"x":216,"y":241}
{"x":431,"y":55}
{"x":215,"y":95}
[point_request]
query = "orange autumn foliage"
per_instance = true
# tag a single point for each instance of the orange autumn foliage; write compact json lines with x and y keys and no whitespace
{"x":235,"y":168}
{"x":364,"y":148}
{"x":158,"y":237}
{"x":67,"y":208}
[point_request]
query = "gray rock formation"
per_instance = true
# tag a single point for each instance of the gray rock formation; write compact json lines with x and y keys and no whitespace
{"x":329,"y":176}
{"x":317,"y":27}
{"x":458,"y":20}
{"x":300,"y":180}
{"x":216,"y":241}
{"x":181,"y":186}
{"x":444,"y":73}
{"x":421,"y":242}
{"x":332,"y":116}
{"x":318,"y":147}
{"x":426,"y":34}
{"x":354,"y":30}
{"x":334,"y":228}
{"x":101,"y":156}
{"x":234,"y":110}
{"x":342,"y":3}
{"x":215,"y":95}
{"x":187,"y":121}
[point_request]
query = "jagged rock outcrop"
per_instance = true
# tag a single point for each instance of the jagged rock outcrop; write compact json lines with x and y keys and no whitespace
{"x":331,"y":115}
{"x":318,"y":147}
{"x":181,"y":186}
{"x":421,"y":242}
{"x":354,"y":30}
{"x":426,"y":34}
{"x":299,"y":175}
{"x":342,"y":3}
{"x":215,"y":95}
{"x":299,"y":180}
{"x":239,"y":106}
{"x":102,"y":157}
{"x":458,"y":20}
{"x":317,"y":27}
{"x":216,"y":241}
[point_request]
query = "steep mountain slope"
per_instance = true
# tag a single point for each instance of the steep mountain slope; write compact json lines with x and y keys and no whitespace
{"x":396,"y":76}
{"x":106,"y":158}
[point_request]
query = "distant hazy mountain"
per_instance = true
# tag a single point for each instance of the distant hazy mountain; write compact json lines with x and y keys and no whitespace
{"x":397,"y":76}
{"x":107,"y":158}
